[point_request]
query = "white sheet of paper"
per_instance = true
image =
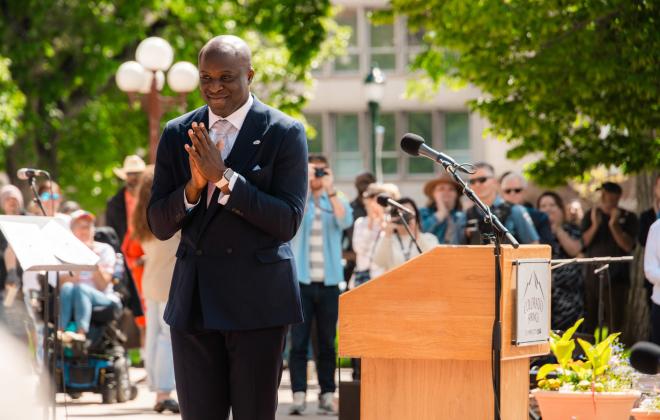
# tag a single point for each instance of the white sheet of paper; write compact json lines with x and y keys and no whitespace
{"x":42,"y":243}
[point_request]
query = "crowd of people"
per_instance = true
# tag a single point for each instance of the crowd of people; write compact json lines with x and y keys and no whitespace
{"x":338,"y":243}
{"x":374,"y":240}
{"x":124,"y":245}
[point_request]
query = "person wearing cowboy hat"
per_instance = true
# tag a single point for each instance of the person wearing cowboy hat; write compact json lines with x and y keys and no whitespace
{"x":120,"y":206}
{"x":443,"y":216}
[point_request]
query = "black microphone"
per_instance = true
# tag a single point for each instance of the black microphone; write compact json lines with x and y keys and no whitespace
{"x":27,"y":173}
{"x":645,"y":357}
{"x":414,"y":145}
{"x":384,"y":200}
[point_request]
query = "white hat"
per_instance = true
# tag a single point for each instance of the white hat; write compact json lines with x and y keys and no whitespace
{"x":132,"y":164}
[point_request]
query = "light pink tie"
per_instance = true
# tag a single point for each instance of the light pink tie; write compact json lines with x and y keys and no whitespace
{"x":219,"y":135}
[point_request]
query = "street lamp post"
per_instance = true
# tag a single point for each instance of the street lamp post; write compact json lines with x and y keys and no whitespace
{"x":144,"y":78}
{"x":374,"y":85}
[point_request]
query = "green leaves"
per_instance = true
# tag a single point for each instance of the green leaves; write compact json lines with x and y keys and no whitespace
{"x":599,"y":354}
{"x":64,"y":55}
{"x":544,"y":67}
{"x":563,"y":347}
{"x":545,"y":370}
{"x":12,"y":102}
{"x":594,"y":374}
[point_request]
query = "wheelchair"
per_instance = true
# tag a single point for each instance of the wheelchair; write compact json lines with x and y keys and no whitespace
{"x":99,"y":365}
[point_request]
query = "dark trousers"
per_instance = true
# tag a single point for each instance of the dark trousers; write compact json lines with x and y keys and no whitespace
{"x":216,"y":371}
{"x":320,"y":302}
{"x":615,"y":297}
{"x":655,"y":323}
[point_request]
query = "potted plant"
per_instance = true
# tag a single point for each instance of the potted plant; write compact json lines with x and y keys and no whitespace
{"x":598,"y":388}
{"x":648,"y":409}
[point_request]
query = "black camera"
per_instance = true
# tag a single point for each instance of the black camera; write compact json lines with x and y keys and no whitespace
{"x":396,"y":219}
{"x":320,"y":172}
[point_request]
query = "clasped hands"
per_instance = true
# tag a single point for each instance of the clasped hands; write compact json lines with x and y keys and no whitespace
{"x":206,"y":164}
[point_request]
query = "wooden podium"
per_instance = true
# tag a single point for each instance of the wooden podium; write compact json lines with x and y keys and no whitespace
{"x":423,"y":332}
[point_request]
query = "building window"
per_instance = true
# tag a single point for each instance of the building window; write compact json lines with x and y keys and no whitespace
{"x":390,"y":153}
{"x":457,"y":136}
{"x":347,"y":159}
{"x":420,"y":123}
{"x":315,"y":133}
{"x":381,"y":43}
{"x":350,"y":62}
{"x":414,"y":42}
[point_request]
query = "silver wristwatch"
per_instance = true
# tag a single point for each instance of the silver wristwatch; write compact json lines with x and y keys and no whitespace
{"x":229,"y":172}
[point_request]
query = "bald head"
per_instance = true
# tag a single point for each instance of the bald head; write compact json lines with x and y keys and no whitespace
{"x":225,"y":74}
{"x":227,"y":45}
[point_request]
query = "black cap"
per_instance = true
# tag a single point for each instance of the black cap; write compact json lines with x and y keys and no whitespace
{"x":611,"y":187}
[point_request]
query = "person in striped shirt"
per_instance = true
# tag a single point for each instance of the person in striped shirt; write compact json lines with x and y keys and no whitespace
{"x":317,"y":250}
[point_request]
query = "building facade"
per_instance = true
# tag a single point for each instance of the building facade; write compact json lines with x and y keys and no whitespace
{"x":339,"y":112}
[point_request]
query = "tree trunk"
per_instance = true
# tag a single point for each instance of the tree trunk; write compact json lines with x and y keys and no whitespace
{"x":637,"y":324}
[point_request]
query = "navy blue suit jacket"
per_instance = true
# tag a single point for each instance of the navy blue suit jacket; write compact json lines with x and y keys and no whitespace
{"x":236,"y":257}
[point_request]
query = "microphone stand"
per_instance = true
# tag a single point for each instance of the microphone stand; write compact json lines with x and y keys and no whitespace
{"x":499,"y":231}
{"x":48,"y":341}
{"x":405,"y":224}
{"x":36,"y":199}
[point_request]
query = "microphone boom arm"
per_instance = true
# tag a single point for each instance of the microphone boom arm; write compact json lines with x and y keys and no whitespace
{"x":492,"y":219}
{"x":405,"y":225}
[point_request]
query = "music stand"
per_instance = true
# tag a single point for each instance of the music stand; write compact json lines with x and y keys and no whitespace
{"x":46,"y":244}
{"x":603,"y":275}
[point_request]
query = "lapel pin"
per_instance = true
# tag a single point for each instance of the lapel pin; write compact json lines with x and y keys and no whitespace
{"x":256,"y":142}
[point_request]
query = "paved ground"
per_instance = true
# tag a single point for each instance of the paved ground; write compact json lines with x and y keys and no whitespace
{"x":89,"y":406}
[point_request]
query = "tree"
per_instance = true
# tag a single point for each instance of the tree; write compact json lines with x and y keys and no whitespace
{"x":576,"y":80}
{"x":11,"y":105}
{"x":64,"y":55}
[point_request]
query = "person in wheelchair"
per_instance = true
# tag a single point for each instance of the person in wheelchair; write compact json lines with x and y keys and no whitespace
{"x":87,"y":291}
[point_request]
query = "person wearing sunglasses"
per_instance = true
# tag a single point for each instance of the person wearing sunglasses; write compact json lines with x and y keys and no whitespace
{"x":51,"y":197}
{"x":514,"y":217}
{"x":514,"y":186}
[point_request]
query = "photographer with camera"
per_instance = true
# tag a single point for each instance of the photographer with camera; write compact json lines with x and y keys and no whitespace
{"x":317,"y":250}
{"x":395,"y":245}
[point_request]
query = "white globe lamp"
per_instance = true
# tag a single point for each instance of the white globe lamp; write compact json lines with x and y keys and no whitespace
{"x":183,"y":77}
{"x":130,"y":76}
{"x":149,"y":76}
{"x":155,"y":53}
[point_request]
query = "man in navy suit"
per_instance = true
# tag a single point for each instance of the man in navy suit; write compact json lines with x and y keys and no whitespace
{"x":232,"y":176}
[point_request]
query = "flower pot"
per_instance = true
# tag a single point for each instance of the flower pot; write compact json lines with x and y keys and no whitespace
{"x":556,"y":405}
{"x":641,"y":414}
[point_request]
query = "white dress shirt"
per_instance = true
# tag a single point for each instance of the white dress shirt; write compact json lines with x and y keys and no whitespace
{"x":237,"y":118}
{"x":652,"y":260}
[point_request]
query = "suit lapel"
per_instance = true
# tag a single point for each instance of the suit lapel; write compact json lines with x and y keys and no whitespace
{"x":252,"y":130}
{"x":254,"y":127}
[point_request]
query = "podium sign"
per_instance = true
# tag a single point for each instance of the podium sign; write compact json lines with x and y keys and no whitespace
{"x":532,"y":301}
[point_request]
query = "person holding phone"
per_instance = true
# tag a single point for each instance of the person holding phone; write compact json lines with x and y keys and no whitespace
{"x":317,"y":251}
{"x":395,"y":245}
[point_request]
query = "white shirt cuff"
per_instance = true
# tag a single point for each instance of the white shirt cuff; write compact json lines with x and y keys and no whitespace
{"x":223,"y":198}
{"x":188,"y":205}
